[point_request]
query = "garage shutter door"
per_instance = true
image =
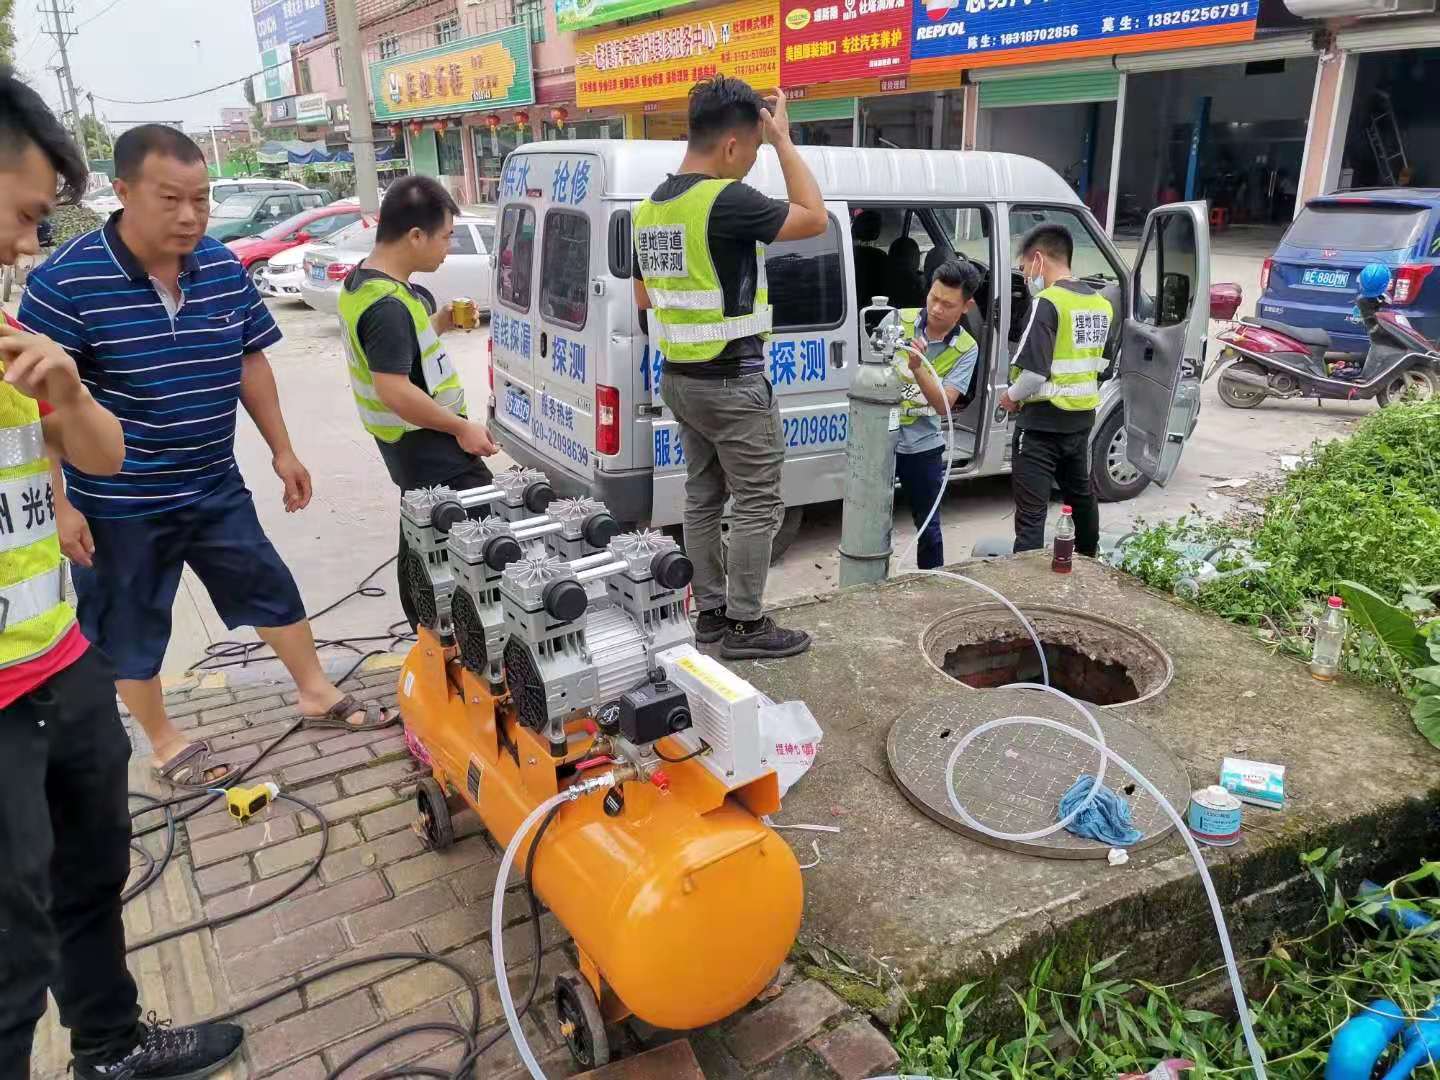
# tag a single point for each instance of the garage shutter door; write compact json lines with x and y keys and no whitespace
{"x":1051,"y":89}
{"x":822,"y":109}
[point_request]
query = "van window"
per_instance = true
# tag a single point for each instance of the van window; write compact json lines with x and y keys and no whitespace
{"x":1168,"y":272}
{"x":619,"y":249}
{"x":806,"y":279}
{"x":565,"y":268}
{"x":516,"y":256}
{"x":1091,"y":263}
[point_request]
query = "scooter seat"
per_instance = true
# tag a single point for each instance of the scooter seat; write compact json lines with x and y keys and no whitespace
{"x":1316,"y":339}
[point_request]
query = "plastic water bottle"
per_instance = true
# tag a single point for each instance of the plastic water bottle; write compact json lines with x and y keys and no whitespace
{"x":1064,"y":557}
{"x":1329,"y":639}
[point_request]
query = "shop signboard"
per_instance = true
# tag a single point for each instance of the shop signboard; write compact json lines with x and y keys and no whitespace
{"x":661,"y":59}
{"x":953,"y":34}
{"x":825,"y":40}
{"x":277,"y":80}
{"x":311,"y":109}
{"x":492,"y":71}
{"x":583,"y":14}
{"x":285,"y":22}
{"x":280,"y":110}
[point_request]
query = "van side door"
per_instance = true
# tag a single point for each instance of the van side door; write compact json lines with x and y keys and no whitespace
{"x":1164,"y":337}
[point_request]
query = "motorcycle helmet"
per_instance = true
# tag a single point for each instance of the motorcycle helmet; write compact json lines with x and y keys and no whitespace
{"x":1374,"y":281}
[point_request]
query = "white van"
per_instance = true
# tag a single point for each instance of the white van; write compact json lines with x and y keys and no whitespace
{"x":575,"y":378}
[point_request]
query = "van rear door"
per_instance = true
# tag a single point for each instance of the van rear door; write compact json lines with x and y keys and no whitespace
{"x":1164,"y":337}
{"x":547,"y":352}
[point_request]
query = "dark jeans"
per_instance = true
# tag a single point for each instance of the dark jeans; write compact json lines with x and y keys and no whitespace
{"x":64,"y":857}
{"x":1041,"y":462}
{"x":921,"y":477}
{"x":478,"y":477}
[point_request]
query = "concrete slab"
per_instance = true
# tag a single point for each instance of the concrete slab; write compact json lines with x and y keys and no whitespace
{"x":927,"y":909}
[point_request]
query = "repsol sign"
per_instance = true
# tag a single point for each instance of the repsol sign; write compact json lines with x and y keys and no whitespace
{"x":940,"y":30}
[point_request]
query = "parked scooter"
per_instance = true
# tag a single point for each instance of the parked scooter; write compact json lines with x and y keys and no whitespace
{"x":1263,"y":359}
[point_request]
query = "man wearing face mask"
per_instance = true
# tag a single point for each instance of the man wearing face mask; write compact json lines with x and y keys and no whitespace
{"x":1055,"y":390}
{"x":700,"y":270}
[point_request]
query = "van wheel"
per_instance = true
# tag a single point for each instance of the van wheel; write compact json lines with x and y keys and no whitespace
{"x":1111,"y":473}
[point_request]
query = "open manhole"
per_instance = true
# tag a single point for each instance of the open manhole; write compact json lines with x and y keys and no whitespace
{"x":1090,"y":657}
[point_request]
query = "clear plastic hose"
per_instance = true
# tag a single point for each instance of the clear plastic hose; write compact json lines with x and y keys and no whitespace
{"x":599,"y":782}
{"x":1257,"y":1056}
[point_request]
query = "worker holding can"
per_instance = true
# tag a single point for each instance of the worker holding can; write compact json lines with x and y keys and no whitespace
{"x":407,"y":391}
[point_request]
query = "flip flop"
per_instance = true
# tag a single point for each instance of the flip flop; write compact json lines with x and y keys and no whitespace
{"x":190,"y":766}
{"x":338,"y":716}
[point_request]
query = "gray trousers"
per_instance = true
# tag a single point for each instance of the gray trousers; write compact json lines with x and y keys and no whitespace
{"x":733,"y":448}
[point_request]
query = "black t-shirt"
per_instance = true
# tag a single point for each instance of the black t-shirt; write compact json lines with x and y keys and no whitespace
{"x":740,"y":218}
{"x":387,"y":334}
{"x":1037,"y":351}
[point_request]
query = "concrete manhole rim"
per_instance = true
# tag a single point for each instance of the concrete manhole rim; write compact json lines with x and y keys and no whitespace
{"x":1075,"y":615}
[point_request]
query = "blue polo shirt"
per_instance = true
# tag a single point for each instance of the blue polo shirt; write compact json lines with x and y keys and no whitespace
{"x":170,"y":372}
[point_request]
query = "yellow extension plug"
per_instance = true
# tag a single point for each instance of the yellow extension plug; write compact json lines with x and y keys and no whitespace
{"x":243,"y":802}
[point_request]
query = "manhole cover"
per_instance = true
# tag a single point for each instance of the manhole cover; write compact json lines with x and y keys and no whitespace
{"x":1012,"y":778}
{"x":1092,"y":658}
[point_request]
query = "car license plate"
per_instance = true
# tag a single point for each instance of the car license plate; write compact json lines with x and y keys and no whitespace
{"x":1326,"y":279}
{"x":517,"y":405}
{"x":317,"y":273}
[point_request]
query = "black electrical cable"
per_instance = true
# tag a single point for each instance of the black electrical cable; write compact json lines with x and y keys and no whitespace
{"x":704,"y":749}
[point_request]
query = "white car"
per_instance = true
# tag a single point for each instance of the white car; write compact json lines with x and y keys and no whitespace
{"x":465,"y":271}
{"x":220,"y":190}
{"x":283,"y":274}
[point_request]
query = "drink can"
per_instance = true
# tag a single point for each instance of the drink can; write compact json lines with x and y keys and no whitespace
{"x":464,"y":314}
{"x":1214,"y":816}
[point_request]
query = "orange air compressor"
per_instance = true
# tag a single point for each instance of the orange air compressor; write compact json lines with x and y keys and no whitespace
{"x":551,"y":650}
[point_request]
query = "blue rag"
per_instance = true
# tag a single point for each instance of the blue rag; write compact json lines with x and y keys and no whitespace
{"x":1107,"y":819}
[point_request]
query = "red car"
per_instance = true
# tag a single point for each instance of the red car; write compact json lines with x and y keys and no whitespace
{"x":255,"y":252}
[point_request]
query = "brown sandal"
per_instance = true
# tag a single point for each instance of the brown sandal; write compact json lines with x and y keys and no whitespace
{"x":338,"y":716}
{"x":190,"y":767}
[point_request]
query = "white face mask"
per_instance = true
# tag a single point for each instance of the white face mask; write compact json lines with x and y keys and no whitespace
{"x":1036,"y":283}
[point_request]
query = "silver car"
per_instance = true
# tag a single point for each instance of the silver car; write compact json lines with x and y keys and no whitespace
{"x":465,"y":271}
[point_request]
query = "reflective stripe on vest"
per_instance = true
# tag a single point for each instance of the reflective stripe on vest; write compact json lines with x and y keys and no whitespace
{"x":672,"y":249}
{"x":33,"y":612}
{"x":912,"y":400}
{"x":441,"y":380}
{"x":1080,"y":336}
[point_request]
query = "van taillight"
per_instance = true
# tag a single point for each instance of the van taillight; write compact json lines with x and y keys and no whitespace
{"x":1265,"y":268}
{"x":1405,"y":289}
{"x":607,"y":420}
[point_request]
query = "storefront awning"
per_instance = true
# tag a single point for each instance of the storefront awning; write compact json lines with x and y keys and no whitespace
{"x":1279,"y":47}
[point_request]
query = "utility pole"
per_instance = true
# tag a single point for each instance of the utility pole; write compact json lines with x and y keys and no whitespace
{"x":357,"y":104}
{"x":61,"y":36}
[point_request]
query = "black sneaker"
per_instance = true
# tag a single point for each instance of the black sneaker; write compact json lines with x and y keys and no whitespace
{"x":167,"y":1053}
{"x":711,"y":626}
{"x":762,"y":639}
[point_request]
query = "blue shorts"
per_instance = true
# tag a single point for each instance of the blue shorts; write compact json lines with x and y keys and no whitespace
{"x":126,"y":597}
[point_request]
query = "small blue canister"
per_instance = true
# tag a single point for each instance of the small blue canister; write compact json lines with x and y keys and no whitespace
{"x":1214,"y":816}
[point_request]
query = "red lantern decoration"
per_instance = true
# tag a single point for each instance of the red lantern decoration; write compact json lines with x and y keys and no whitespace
{"x":396,"y":130}
{"x":558,"y":116}
{"x":439,"y":125}
{"x":492,"y":121}
{"x":522,"y":118}
{"x":416,"y":127}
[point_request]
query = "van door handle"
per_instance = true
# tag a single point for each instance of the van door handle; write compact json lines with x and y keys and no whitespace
{"x":837,"y":354}
{"x":544,"y":342}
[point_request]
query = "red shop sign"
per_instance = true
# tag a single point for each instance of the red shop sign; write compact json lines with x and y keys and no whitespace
{"x":825,"y":40}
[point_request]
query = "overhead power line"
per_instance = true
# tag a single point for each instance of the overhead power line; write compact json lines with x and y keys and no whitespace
{"x":402,"y":9}
{"x":102,"y":11}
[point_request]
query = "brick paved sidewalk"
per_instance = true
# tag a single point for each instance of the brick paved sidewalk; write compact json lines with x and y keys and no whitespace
{"x":379,"y":890}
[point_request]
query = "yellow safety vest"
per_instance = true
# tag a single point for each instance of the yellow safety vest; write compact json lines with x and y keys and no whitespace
{"x":912,"y":401}
{"x":33,"y":611}
{"x":1074,"y":383}
{"x":441,"y":379}
{"x":672,"y":249}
